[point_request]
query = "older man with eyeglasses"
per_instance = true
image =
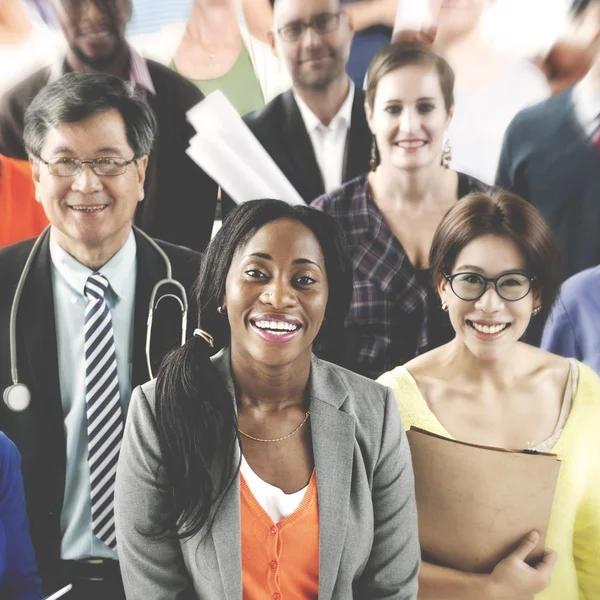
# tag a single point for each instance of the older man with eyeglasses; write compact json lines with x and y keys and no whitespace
{"x":81,"y":321}
{"x":316,"y":132}
{"x":180,"y":199}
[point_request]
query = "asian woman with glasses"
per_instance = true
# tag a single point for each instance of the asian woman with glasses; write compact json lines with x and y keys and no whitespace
{"x":495,"y":265}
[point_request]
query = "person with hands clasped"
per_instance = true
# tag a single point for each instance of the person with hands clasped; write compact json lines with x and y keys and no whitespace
{"x":266,"y":472}
{"x":494,"y":262}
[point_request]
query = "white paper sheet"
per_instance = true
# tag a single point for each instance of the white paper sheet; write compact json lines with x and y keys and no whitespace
{"x":227,"y":150}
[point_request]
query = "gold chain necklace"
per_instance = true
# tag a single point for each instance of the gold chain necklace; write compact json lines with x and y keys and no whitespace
{"x":285,"y":437}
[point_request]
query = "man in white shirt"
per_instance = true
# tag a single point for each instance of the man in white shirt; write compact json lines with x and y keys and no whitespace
{"x":317,"y":132}
{"x":81,"y":325}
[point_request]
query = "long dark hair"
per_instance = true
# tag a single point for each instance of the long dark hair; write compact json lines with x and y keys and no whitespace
{"x":196,"y":417}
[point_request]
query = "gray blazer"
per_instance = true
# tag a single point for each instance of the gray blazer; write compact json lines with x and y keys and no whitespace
{"x":368,"y":540}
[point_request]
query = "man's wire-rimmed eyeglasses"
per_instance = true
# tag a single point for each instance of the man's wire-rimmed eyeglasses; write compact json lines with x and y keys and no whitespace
{"x":103,"y":167}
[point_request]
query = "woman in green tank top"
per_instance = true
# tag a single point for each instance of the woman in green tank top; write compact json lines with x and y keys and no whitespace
{"x":213,"y":56}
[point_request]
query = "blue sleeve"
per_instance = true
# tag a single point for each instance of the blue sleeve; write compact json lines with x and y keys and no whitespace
{"x":21,"y":581}
{"x":559,"y":334}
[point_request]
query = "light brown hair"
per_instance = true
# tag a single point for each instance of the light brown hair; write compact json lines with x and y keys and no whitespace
{"x":403,"y":54}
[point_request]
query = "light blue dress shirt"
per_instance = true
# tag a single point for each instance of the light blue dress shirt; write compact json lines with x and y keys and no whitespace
{"x":68,"y":281}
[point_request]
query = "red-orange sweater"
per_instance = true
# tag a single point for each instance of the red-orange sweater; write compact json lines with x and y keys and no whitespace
{"x":21,"y":217}
{"x":280,"y":561}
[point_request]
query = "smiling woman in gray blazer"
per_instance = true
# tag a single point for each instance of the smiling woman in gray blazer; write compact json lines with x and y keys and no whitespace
{"x":266,"y":472}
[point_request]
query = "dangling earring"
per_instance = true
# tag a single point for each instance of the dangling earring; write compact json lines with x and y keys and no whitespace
{"x":222,"y":310}
{"x":444,"y":306}
{"x":536,"y":311}
{"x":374,"y":154}
{"x":446,"y":154}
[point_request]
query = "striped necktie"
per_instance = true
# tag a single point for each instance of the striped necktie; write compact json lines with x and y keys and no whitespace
{"x":104,"y":415}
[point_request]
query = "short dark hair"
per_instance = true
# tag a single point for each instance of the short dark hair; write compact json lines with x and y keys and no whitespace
{"x":508,"y":216}
{"x":77,"y":96}
{"x":402,"y":54}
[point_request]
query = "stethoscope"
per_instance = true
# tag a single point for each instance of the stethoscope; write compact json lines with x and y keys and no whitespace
{"x":17,"y":396}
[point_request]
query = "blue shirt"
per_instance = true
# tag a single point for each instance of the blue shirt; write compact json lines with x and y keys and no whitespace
{"x":68,"y":282}
{"x":573,"y":328}
{"x":18,"y":572}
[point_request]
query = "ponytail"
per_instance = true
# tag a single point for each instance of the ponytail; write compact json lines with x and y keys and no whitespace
{"x":197,"y":432}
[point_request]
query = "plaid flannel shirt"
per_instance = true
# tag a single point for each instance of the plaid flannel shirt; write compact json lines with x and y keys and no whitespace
{"x":395,"y":312}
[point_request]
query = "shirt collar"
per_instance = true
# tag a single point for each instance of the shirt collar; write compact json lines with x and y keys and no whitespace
{"x":139,"y":75}
{"x":343,"y":116}
{"x":117,"y":270}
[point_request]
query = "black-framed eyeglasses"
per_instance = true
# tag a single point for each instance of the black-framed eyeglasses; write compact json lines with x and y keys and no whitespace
{"x":321,"y":24}
{"x":509,"y":286}
{"x":103,"y":167}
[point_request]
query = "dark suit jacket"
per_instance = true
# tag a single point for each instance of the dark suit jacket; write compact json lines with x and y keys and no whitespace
{"x":38,"y":431}
{"x":180,"y":198}
{"x":279,"y":127}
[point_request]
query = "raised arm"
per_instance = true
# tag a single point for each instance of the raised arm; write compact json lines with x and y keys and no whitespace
{"x":150,"y":568}
{"x":258,"y":15}
{"x":368,"y":13}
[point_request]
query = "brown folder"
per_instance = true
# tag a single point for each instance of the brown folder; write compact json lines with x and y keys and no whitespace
{"x":476,"y":503}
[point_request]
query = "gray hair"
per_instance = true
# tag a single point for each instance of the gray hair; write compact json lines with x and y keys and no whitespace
{"x":77,"y":96}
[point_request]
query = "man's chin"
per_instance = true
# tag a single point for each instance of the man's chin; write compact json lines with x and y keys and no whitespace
{"x":98,"y":63}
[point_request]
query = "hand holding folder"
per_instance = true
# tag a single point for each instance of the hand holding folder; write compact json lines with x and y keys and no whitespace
{"x":475,"y":503}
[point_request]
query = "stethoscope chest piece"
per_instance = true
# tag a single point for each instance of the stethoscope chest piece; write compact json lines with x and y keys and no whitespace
{"x":17,"y":397}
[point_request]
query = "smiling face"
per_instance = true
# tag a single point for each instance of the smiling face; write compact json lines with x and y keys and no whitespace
{"x":314,"y":60}
{"x":89,"y":213}
{"x":409,"y":117}
{"x":276,"y":294}
{"x":490,"y":325}
{"x":94,"y":30}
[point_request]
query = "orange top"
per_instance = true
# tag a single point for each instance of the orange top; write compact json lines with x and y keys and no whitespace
{"x":280,"y":561}
{"x":21,"y":217}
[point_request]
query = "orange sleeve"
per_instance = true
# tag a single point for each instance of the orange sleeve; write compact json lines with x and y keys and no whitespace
{"x":21,"y":217}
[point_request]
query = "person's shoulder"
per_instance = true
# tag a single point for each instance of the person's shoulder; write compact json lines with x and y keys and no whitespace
{"x":582,"y":283}
{"x":176,"y":87}
{"x":541,"y":119}
{"x":342,"y":200}
{"x":13,"y":257}
{"x":145,"y":395}
{"x":9,"y":454}
{"x":467,"y":184}
{"x":361,"y":391}
{"x":179,"y":253}
{"x":588,"y":387}
{"x":27,"y":89}
{"x":272,"y":113}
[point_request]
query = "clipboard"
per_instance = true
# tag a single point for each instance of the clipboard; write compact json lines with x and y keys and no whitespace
{"x":476,"y":503}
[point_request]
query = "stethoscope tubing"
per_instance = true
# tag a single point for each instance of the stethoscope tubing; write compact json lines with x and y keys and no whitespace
{"x":152,"y":305}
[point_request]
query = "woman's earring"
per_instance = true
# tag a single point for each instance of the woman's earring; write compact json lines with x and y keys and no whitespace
{"x":222,"y":310}
{"x":536,"y":311}
{"x":374,"y":154}
{"x":446,"y":154}
{"x":444,"y":306}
